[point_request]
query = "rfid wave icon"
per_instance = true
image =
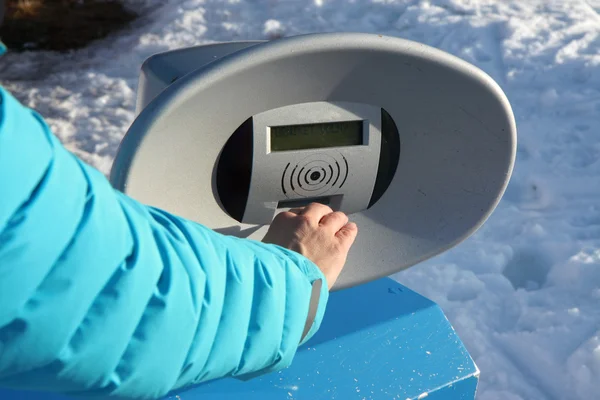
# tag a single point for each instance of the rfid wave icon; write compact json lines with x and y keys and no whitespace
{"x":315,"y":175}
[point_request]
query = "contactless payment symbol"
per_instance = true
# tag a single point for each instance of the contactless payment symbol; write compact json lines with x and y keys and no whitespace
{"x":315,"y":175}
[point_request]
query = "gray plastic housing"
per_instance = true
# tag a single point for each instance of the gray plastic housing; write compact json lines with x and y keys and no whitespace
{"x":162,"y":69}
{"x":456,"y":127}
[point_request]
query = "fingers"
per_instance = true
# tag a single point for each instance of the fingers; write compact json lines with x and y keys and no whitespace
{"x":334,"y":221}
{"x":347,"y":234}
{"x":321,"y":215}
{"x":314,"y":212}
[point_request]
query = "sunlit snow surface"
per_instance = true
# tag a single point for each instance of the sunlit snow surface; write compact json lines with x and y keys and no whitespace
{"x":524,"y":291}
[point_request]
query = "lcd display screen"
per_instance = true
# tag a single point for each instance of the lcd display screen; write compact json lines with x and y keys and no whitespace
{"x":316,"y":136}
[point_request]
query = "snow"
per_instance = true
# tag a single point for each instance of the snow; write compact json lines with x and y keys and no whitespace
{"x":524,"y":291}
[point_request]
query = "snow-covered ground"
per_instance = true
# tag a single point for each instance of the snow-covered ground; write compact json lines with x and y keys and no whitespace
{"x":524,"y":291}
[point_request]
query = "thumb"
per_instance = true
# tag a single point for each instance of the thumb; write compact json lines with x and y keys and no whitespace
{"x":347,"y":234}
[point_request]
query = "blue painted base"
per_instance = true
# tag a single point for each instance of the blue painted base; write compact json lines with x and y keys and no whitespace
{"x":377,"y":341}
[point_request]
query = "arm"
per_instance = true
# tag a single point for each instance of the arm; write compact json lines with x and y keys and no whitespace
{"x":100,"y":294}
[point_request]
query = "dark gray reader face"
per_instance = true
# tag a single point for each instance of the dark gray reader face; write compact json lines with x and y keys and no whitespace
{"x":417,"y":145}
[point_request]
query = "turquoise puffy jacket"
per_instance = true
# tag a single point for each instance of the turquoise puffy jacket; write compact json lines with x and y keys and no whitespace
{"x":101,"y":295}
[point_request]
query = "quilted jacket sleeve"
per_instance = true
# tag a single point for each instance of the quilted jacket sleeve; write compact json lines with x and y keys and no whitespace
{"x":101,"y":295}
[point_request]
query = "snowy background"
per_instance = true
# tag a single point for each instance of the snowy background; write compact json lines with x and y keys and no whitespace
{"x":523,"y":292}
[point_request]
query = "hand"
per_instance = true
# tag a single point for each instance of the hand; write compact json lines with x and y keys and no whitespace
{"x":318,"y":233}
